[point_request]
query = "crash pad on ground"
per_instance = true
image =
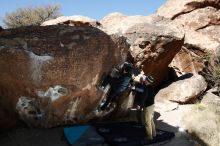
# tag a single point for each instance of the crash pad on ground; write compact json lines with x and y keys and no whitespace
{"x":82,"y":136}
{"x":115,"y":134}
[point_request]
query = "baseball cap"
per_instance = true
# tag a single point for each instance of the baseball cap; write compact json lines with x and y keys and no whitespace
{"x":149,"y":78}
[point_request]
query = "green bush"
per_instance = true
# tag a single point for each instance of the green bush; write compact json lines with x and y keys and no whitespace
{"x":31,"y":16}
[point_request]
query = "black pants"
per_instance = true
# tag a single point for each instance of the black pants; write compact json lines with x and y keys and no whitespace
{"x":113,"y":94}
{"x":110,"y":80}
{"x":115,"y":89}
{"x":139,"y":115}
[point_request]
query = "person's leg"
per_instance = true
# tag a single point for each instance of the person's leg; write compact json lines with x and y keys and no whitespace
{"x":142,"y":115}
{"x":153,"y":127}
{"x":152,"y":121}
{"x":107,"y":80}
{"x":148,"y":121}
{"x":108,"y":100}
{"x":139,"y":115}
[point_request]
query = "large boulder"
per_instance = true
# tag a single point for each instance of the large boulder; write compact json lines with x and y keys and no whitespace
{"x":48,"y":74}
{"x":185,"y":90}
{"x":174,"y":8}
{"x":154,"y":40}
{"x":119,"y":23}
{"x":187,"y":61}
{"x":201,"y":21}
{"x":212,"y":31}
{"x":76,"y":20}
{"x":211,"y":98}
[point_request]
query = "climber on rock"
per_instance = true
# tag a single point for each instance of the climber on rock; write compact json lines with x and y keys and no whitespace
{"x":119,"y":81}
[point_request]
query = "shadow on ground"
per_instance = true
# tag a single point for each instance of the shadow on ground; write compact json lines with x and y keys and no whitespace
{"x":25,"y":136}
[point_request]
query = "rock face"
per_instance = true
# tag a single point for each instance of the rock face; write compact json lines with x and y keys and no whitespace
{"x":154,"y":40}
{"x":76,"y":20}
{"x":48,"y":74}
{"x":178,"y":8}
{"x":183,"y":91}
{"x":211,"y":99}
{"x":186,"y":61}
{"x":119,"y":23}
{"x":201,"y":21}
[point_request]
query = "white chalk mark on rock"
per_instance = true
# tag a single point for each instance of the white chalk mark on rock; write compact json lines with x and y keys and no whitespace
{"x":36,"y":66}
{"x":54,"y":92}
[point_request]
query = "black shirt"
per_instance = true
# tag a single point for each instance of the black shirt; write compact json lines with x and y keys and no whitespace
{"x":144,"y":95}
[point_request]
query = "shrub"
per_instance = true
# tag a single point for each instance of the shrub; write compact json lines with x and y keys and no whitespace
{"x":31,"y":16}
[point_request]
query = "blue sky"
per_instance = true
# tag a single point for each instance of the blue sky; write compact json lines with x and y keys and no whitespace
{"x":96,"y":9}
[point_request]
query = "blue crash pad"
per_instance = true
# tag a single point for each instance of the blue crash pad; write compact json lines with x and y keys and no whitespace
{"x":82,"y":136}
{"x":74,"y":133}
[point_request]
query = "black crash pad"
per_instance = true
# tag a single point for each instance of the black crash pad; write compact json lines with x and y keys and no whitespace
{"x":129,"y":134}
{"x":115,"y":134}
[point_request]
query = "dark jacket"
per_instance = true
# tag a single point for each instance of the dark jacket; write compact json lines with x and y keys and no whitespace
{"x":122,"y":82}
{"x":144,"y":95}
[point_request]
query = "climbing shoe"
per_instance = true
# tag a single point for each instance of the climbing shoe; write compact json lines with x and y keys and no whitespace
{"x":100,"y":88}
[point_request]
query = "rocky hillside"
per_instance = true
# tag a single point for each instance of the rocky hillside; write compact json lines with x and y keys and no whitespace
{"x":49,"y":73}
{"x":153,"y":43}
{"x":201,"y":22}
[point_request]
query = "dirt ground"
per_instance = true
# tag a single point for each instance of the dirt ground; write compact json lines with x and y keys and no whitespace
{"x":24,"y":136}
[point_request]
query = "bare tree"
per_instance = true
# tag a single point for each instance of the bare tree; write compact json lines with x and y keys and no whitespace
{"x":31,"y":16}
